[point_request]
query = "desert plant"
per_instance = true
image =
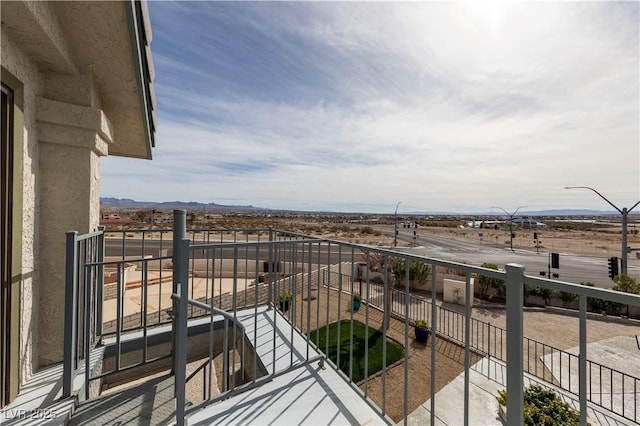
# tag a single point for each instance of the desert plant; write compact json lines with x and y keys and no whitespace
{"x":543,"y":407}
{"x":626,"y":284}
{"x":357,"y":297}
{"x":596,"y":304}
{"x":567,"y":297}
{"x":419,"y":273}
{"x":543,"y":292}
{"x":485,"y":283}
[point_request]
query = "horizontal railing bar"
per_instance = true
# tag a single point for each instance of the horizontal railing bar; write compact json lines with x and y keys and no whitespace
{"x":211,"y":309}
{"x":221,"y":245}
{"x":189,"y":231}
{"x":89,"y":235}
{"x":123,"y":261}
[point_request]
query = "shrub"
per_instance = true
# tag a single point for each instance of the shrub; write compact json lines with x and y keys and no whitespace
{"x":419,"y":273}
{"x":543,"y":292}
{"x":485,"y":283}
{"x":543,"y":407}
{"x":597,"y":305}
{"x":626,"y":284}
{"x":567,"y":297}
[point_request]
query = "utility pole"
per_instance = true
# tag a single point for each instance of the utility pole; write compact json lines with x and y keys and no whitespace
{"x":395,"y":226}
{"x":625,"y":213}
{"x":510,"y":215}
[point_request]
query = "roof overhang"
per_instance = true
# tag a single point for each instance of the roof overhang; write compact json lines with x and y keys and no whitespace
{"x":107,"y":40}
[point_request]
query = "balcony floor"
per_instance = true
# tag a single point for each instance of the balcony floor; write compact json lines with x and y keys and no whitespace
{"x":306,"y":395}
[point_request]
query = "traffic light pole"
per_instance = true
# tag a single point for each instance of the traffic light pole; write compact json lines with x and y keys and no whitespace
{"x":395,"y":225}
{"x":625,"y":213}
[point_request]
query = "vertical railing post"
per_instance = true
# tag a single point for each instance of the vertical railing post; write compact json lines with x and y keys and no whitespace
{"x":467,"y":351}
{"x":179,"y":232}
{"x":69,"y":313}
{"x":100,"y":292}
{"x":434,"y":332}
{"x":582,"y":366}
{"x":181,"y":269}
{"x":179,"y":323}
{"x":515,"y":382}
{"x":269,"y":271}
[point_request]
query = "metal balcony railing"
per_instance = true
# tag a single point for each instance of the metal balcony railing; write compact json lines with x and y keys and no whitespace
{"x":230,"y":278}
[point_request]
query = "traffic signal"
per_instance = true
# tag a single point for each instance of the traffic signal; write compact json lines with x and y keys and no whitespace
{"x":555,"y":260}
{"x":613,"y":267}
{"x":535,"y":235}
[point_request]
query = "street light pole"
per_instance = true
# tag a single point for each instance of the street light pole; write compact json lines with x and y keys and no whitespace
{"x":625,"y":213}
{"x":511,"y":215}
{"x":395,"y":225}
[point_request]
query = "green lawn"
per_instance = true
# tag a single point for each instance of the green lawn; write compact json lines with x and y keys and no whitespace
{"x":394,"y":351}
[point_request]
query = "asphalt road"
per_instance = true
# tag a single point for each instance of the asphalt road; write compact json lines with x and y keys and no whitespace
{"x":573,"y":268}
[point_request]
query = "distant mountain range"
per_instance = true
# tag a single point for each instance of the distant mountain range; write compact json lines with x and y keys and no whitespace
{"x":123,"y":203}
{"x":110,"y":202}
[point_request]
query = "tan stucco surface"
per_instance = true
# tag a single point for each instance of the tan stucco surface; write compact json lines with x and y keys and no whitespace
{"x":87,"y":39}
{"x":15,"y":61}
{"x":76,"y":70}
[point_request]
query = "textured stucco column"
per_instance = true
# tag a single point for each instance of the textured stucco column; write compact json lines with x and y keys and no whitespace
{"x":72,"y":138}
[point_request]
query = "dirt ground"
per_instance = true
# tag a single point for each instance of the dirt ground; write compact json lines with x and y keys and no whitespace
{"x":449,"y":356}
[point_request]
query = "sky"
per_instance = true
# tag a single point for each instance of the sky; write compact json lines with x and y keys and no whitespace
{"x":356,"y":106}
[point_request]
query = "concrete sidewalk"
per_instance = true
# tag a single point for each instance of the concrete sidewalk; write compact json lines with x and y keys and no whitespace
{"x":486,"y":378}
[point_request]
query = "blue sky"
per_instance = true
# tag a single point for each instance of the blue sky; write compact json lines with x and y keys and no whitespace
{"x":354,"y":106}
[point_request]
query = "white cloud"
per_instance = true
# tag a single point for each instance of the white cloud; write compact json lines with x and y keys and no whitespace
{"x":446,"y":106}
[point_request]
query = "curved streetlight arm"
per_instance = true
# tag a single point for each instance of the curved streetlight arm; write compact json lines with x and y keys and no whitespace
{"x":505,"y":212}
{"x":511,"y":215}
{"x":601,"y":196}
{"x":521,"y":207}
{"x":625,"y":213}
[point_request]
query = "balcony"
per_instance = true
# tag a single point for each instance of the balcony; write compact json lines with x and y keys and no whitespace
{"x":191,"y":327}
